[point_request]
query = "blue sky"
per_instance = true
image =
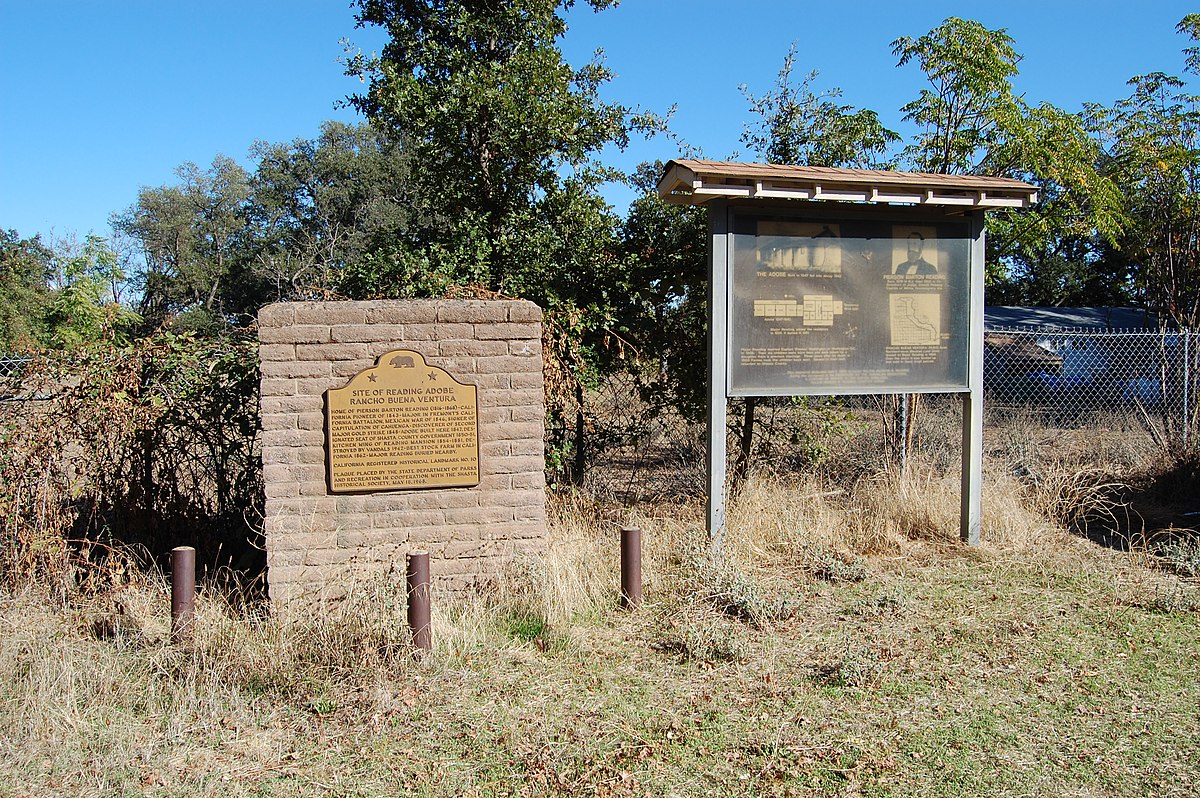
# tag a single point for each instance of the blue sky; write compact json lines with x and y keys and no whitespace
{"x":100,"y":98}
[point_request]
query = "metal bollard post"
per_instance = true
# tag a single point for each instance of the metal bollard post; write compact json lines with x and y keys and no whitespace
{"x":418,"y":601}
{"x":631,"y":567}
{"x":183,"y":593}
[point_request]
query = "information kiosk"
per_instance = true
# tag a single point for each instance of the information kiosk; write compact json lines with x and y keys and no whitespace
{"x":843,"y":281}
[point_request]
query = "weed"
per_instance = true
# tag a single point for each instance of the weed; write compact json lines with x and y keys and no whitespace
{"x":704,"y":640}
{"x":854,"y":666}
{"x":888,"y":603}
{"x":1181,"y":555}
{"x":832,"y":566}
{"x":1168,"y":599}
{"x":729,"y":590}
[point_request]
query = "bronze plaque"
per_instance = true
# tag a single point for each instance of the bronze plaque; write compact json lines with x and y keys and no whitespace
{"x":399,"y":425}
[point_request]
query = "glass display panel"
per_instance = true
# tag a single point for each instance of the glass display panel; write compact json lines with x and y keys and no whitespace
{"x":828,"y":306}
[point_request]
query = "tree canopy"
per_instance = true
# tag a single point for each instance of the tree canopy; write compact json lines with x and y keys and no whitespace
{"x":480,"y":165}
{"x":504,"y":137}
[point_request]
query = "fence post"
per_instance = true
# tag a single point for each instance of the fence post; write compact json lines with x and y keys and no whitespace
{"x":631,"y":567}
{"x":183,"y":593}
{"x":1187,"y":386}
{"x":418,"y":602}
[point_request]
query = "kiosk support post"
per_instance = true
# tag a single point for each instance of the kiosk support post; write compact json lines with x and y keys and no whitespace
{"x":719,"y":247}
{"x":971,"y":514}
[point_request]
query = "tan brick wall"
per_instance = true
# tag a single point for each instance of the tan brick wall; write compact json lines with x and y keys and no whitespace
{"x":319,"y":543}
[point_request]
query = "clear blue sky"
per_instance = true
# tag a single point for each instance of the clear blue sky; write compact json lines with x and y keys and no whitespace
{"x":100,"y":98}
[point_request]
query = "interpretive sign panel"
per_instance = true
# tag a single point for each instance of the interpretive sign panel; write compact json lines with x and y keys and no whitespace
{"x":399,"y":425}
{"x":823,"y":305}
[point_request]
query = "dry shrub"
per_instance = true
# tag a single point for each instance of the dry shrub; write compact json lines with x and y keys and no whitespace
{"x":150,"y":444}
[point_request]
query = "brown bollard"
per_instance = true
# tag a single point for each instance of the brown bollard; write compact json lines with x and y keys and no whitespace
{"x":183,"y":593}
{"x":631,"y":567}
{"x":418,"y":602}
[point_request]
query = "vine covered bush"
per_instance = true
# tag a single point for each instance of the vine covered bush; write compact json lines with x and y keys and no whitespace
{"x":140,"y":448}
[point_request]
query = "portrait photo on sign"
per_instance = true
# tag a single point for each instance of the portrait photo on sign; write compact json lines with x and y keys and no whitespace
{"x":803,"y":247}
{"x":914,"y":250}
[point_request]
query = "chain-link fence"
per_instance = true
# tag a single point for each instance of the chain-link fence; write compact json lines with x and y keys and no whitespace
{"x":11,"y":369}
{"x":1067,"y":376}
{"x":638,"y":450}
{"x":1061,"y":379}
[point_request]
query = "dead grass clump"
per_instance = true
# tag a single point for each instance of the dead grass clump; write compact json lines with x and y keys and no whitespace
{"x":1078,"y":498}
{"x":772,"y":514}
{"x":826,"y":531}
{"x":1009,"y":523}
{"x":573,"y":577}
{"x":917,"y":506}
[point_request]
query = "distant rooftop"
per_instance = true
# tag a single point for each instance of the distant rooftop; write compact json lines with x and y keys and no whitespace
{"x":1064,"y":318}
{"x":694,"y":182}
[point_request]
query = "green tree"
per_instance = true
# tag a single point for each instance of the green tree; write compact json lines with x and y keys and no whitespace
{"x":969,"y":105}
{"x":192,"y":237}
{"x":503,"y":136}
{"x":797,"y":125}
{"x":323,"y":209}
{"x":84,"y":304}
{"x":1153,"y":154}
{"x":26,"y":265}
{"x":971,"y":121}
{"x":504,"y":139}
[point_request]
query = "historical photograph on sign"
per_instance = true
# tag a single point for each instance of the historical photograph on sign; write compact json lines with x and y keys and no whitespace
{"x":854,"y":305}
{"x":800,"y":247}
{"x":914,"y":251}
{"x":399,"y":425}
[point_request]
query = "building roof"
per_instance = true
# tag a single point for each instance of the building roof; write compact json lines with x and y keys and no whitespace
{"x":693,"y":182}
{"x":1068,"y":318}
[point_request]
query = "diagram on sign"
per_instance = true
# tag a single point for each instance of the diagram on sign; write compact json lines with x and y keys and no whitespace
{"x":800,"y":248}
{"x":816,"y":310}
{"x":916,"y":319}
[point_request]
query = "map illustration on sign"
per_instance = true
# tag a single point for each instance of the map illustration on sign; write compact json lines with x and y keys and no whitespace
{"x":815,"y":310}
{"x":401,"y":424}
{"x":916,"y":319}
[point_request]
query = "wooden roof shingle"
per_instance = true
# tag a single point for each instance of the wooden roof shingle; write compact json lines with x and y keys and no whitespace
{"x":693,"y":182}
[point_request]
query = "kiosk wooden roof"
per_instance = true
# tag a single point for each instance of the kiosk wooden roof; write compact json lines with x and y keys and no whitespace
{"x":694,"y":182}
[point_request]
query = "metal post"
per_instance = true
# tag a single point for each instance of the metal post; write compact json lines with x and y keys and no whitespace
{"x":720,"y":247}
{"x":971,"y":504}
{"x":418,"y":601}
{"x":183,"y":593}
{"x":631,"y":567}
{"x":1187,"y":384}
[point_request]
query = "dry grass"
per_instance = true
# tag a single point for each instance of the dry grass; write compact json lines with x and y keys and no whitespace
{"x":844,"y":645}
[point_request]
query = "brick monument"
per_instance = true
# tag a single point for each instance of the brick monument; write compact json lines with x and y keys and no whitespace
{"x":358,"y":401}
